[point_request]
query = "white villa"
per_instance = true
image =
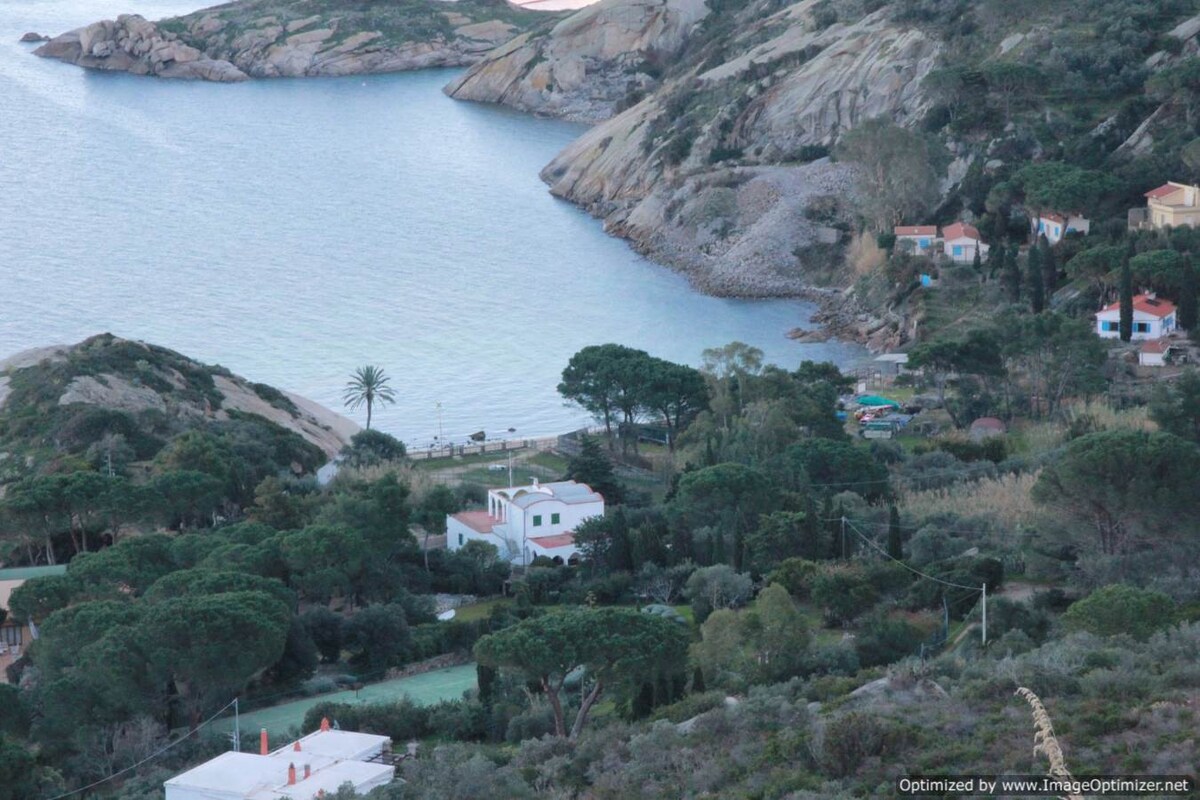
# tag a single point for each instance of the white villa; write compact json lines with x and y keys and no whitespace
{"x":1055,"y":226}
{"x":525,"y":522}
{"x":960,"y":241}
{"x":1152,"y":318}
{"x":312,"y":767}
{"x":917,"y":239}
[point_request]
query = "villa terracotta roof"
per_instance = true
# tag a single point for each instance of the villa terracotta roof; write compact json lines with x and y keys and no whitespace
{"x":557,"y":540}
{"x":1154,"y":306}
{"x":479,"y":521}
{"x":1054,"y":216}
{"x":960,"y":230}
{"x":1163,"y":191}
{"x":916,"y":230}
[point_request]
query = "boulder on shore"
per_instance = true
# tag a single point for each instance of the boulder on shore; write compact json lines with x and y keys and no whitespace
{"x":34,"y":36}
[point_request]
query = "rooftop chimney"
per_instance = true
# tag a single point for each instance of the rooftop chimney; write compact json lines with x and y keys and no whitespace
{"x":263,"y":744}
{"x":324,"y":723}
{"x":307,"y":771}
{"x":296,"y":746}
{"x":291,"y":774}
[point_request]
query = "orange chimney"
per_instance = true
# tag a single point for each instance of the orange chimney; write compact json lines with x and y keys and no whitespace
{"x":262,"y":742}
{"x":307,"y":771}
{"x":291,"y":774}
{"x":296,"y":746}
{"x":324,"y":723}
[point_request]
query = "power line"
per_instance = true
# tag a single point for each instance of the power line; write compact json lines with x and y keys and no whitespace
{"x":913,"y":570}
{"x":884,"y":525}
{"x":150,"y":757}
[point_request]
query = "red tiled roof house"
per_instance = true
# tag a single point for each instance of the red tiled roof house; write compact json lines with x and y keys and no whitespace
{"x":917,"y":239}
{"x":1173,"y":205}
{"x":960,"y":241}
{"x":1153,"y":318}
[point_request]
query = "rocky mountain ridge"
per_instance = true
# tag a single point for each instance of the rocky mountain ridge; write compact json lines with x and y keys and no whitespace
{"x":709,"y":173}
{"x":253,"y":39}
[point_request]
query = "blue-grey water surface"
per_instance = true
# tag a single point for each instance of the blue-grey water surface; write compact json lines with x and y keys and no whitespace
{"x":294,"y":229}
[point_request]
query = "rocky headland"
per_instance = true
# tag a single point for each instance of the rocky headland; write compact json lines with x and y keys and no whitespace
{"x":260,"y":39}
{"x":709,"y":155}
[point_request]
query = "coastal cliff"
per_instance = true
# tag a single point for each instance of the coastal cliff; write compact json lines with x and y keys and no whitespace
{"x":259,"y":39}
{"x":718,"y":147}
{"x":716,"y":166}
{"x":586,"y":66}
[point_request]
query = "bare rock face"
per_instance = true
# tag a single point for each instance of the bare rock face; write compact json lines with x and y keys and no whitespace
{"x":588,"y":63}
{"x":724,"y":195}
{"x":220,"y":45}
{"x":33,"y":36}
{"x":133,"y":44}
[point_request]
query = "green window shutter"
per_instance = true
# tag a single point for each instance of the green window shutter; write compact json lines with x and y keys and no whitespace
{"x":460,"y":540}
{"x":554,"y":519}
{"x":537,"y":521}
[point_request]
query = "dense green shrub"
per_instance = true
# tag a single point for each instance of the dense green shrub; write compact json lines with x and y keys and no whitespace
{"x":1120,"y":609}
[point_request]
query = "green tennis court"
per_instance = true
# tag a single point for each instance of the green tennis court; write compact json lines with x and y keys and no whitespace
{"x":424,"y":689}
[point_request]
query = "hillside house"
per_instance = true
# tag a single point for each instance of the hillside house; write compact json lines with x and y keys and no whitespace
{"x":16,"y":636}
{"x":960,"y":241}
{"x":919,"y":240}
{"x":1169,"y":206}
{"x":314,"y":766}
{"x":529,"y":521}
{"x":1055,"y":226}
{"x":1153,"y":318}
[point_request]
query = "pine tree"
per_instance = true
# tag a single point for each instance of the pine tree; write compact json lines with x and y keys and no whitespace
{"x":1049,"y":268}
{"x":977,"y":263}
{"x":592,"y":467}
{"x":620,"y":557}
{"x":1187,"y":297}
{"x":718,"y":550}
{"x":1125,"y":326}
{"x":895,"y":545}
{"x":1033,"y":278}
{"x":995,"y":261}
{"x":1012,"y":275}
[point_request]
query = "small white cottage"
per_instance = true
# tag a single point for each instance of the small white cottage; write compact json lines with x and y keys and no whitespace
{"x":917,"y":239}
{"x":960,"y":241}
{"x":1055,"y":226}
{"x":1153,"y":318}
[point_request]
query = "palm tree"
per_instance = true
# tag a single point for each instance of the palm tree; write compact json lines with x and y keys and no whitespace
{"x":368,"y":385}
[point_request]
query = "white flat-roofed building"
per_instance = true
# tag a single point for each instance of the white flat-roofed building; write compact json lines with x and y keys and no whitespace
{"x":524,"y":522}
{"x":315,"y":766}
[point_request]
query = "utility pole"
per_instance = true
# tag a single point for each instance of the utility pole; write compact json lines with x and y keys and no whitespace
{"x":441,"y":436}
{"x":237,"y":728}
{"x":985,"y":614}
{"x":843,"y":538}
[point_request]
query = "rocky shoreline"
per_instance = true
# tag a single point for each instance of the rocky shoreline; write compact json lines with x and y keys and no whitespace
{"x":222,"y":44}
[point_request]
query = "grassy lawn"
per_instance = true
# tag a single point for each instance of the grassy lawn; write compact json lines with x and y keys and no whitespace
{"x":426,"y":689}
{"x":483,"y":610}
{"x":498,"y":478}
{"x":437,"y":464}
{"x":549,"y":460}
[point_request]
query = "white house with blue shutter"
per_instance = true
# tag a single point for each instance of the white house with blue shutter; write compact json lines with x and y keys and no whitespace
{"x":919,"y":240}
{"x":961,"y":241}
{"x":524,"y":522}
{"x":1153,"y":318}
{"x":1055,"y":226}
